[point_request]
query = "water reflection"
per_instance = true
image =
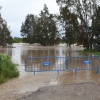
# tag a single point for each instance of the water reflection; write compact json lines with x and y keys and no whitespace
{"x":82,"y":76}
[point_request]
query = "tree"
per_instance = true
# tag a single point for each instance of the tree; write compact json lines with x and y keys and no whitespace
{"x":28,"y":28}
{"x":40,"y":29}
{"x":84,"y":10}
{"x":68,"y":20}
{"x":47,"y":29}
{"x":96,"y":28}
{"x":5,"y":37}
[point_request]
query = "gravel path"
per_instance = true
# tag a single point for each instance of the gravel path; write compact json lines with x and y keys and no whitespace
{"x":76,"y":91}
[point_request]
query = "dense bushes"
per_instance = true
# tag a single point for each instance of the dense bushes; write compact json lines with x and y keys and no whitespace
{"x":7,"y":68}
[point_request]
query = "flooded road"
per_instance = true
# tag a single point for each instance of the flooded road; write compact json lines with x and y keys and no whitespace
{"x":28,"y":82}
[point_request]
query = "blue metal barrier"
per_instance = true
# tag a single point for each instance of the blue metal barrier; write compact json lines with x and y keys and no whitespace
{"x":39,"y":64}
{"x":83,"y":63}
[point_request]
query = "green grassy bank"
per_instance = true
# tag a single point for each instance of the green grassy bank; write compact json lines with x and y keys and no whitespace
{"x":7,"y":68}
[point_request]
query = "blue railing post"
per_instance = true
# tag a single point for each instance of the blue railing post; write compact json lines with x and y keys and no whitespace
{"x":34,"y":72}
{"x":25,"y":64}
{"x":58,"y":72}
{"x":67,"y":64}
{"x":75,"y":71}
{"x":98,"y":71}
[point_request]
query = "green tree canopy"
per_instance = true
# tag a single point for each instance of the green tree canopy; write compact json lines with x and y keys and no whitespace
{"x":47,"y":29}
{"x":82,"y":11}
{"x":40,"y":29}
{"x":28,"y":28}
{"x":5,"y":37}
{"x":96,"y":28}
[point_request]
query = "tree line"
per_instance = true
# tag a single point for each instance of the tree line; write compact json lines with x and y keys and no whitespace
{"x":78,"y":21}
{"x":81,"y":22}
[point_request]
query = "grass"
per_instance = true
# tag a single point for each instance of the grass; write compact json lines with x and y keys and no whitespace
{"x":93,"y":51}
{"x":7,"y":68}
{"x":97,"y":53}
{"x":90,"y":50}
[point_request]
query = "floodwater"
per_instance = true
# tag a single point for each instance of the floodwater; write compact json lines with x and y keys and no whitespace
{"x":28,"y":82}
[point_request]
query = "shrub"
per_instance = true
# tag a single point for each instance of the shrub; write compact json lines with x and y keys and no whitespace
{"x":7,"y":68}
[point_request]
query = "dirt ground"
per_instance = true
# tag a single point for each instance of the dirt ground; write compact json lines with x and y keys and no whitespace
{"x":76,"y":91}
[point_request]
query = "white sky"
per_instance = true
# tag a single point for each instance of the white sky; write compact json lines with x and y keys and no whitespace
{"x":15,"y":11}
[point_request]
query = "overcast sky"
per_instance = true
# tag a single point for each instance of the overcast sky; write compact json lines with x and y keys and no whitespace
{"x":15,"y":11}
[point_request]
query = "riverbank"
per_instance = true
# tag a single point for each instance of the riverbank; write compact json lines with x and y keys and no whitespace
{"x":76,"y":91}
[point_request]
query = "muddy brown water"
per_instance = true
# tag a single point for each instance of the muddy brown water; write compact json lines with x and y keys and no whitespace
{"x":28,"y":82}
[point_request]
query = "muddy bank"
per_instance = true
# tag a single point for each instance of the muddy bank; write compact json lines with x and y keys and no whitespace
{"x":76,"y":91}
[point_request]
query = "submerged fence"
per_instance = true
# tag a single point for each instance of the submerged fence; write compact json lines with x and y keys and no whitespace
{"x":40,"y":64}
{"x":84,"y":63}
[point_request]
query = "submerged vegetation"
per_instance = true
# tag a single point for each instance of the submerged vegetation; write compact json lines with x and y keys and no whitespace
{"x":89,"y":52}
{"x":7,"y":68}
